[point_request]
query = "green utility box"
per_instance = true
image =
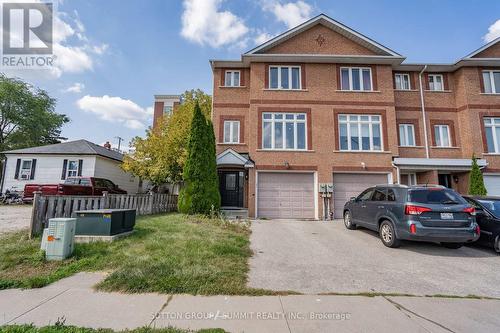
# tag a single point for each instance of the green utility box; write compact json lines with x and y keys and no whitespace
{"x":104,"y":222}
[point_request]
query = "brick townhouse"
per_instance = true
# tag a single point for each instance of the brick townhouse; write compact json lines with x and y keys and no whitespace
{"x":322,"y":103}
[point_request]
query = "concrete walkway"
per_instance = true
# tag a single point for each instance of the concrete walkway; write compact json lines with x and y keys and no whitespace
{"x":74,"y":301}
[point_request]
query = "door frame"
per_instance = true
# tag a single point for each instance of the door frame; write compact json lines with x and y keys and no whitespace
{"x":315,"y":187}
{"x":242,"y":189}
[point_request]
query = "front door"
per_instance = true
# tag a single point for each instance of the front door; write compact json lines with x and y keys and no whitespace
{"x":231,"y":188}
{"x":444,"y":180}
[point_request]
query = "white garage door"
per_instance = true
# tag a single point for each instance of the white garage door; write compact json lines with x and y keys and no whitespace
{"x":347,"y":185}
{"x":492,"y":183}
{"x":285,"y":195}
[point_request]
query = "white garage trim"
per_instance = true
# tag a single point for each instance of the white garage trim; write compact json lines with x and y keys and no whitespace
{"x":315,"y":189}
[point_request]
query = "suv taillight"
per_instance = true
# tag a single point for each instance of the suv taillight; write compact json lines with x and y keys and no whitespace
{"x":416,"y":210}
{"x":470,"y":210}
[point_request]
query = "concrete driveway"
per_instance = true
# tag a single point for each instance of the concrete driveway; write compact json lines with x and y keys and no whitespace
{"x":14,"y":217}
{"x":324,"y":257}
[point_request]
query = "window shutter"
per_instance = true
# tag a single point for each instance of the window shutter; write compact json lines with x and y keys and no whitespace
{"x":33,"y":168}
{"x":18,"y":166}
{"x":65,"y":166}
{"x":80,"y":165}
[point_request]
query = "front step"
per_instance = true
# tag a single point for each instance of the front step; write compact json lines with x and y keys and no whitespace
{"x":235,"y":214}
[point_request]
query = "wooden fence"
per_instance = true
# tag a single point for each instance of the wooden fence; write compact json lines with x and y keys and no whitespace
{"x":49,"y":206}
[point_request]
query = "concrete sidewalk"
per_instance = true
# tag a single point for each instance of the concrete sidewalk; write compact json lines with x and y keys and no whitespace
{"x":74,"y":301}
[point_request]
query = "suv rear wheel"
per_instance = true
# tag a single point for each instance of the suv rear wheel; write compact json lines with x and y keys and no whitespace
{"x":348,"y":221}
{"x":452,"y":245}
{"x":497,"y":244}
{"x":387,"y":235}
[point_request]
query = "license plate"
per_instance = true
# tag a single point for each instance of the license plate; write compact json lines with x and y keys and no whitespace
{"x":446,"y":216}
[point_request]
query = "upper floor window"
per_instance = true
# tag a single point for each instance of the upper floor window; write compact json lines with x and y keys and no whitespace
{"x":442,"y":135}
{"x":407,"y":135}
{"x":25,"y":172}
{"x":492,"y":129}
{"x":284,"y":131}
{"x":167,"y":110}
{"x":356,"y":78}
{"x":436,"y":82}
{"x":402,"y":81}
{"x":72,"y":169}
{"x":284,"y":77}
{"x":231,"y":131}
{"x":360,"y":132}
{"x":232,"y":79}
{"x":491,"y":81}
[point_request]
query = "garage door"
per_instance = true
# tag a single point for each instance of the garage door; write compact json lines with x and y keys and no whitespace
{"x":347,"y":185}
{"x":492,"y":183}
{"x":285,"y":195}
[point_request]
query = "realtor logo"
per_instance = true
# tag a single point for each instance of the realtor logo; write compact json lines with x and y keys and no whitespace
{"x":27,"y":35}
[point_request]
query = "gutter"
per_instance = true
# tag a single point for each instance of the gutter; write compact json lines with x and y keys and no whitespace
{"x":422,"y":102}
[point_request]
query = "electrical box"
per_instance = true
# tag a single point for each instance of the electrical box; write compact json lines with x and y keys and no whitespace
{"x":104,"y":222}
{"x":59,"y":242}
{"x":326,"y":187}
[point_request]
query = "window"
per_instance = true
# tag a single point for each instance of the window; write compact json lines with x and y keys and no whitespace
{"x":406,"y":135}
{"x":167,"y":110}
{"x":379,"y":195}
{"x":356,"y":79}
{"x":25,"y":169}
{"x":411,"y":179}
{"x":442,"y":135}
{"x":231,"y":131}
{"x":402,"y":81}
{"x":491,"y":80}
{"x":492,"y":129}
{"x":284,"y":131}
{"x":360,"y":132}
{"x":72,"y":169}
{"x":284,"y":77}
{"x":232,"y":79}
{"x":366,"y":195}
{"x":391,"y":195}
{"x":436,"y":82}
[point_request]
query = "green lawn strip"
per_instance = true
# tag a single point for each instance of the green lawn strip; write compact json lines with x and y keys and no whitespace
{"x":170,"y":253}
{"x":74,"y":329}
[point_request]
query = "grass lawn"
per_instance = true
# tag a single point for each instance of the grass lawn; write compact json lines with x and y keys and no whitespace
{"x":73,"y":329}
{"x":170,"y":253}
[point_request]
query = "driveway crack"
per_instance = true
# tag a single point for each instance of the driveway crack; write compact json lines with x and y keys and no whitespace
{"x":284,"y":314}
{"x":402,"y":308}
{"x":157,"y":314}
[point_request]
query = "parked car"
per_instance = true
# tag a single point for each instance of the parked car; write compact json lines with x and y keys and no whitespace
{"x":74,"y":186}
{"x":488,"y":218}
{"x":419,"y":213}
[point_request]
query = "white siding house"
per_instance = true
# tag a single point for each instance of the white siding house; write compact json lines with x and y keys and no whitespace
{"x":52,"y":164}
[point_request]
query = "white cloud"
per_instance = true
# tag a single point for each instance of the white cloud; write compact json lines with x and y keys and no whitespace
{"x":290,"y":13}
{"x":116,"y":109}
{"x":493,"y":32}
{"x":204,"y":23}
{"x":262,"y":37}
{"x":77,"y":87}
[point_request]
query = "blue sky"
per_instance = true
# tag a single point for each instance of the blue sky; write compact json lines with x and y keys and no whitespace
{"x":115,"y":55}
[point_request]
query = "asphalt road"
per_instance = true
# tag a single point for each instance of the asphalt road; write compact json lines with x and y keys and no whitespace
{"x":323,"y":257}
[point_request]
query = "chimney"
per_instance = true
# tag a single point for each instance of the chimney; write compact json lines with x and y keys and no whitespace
{"x":107,"y":145}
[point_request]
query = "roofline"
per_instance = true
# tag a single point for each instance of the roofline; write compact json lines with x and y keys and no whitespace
{"x":62,"y":154}
{"x":482,"y":48}
{"x":332,"y":21}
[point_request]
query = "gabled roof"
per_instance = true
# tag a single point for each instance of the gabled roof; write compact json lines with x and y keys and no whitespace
{"x":335,"y":26}
{"x":482,"y":48}
{"x":230,"y":157}
{"x":78,"y":147}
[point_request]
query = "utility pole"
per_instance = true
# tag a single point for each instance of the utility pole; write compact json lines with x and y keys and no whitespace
{"x":120,"y":139}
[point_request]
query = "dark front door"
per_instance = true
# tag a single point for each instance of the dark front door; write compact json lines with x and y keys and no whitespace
{"x":444,"y":180}
{"x":231,"y":188}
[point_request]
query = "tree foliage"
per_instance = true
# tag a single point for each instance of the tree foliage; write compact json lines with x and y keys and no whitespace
{"x":200,"y":194}
{"x":27,"y":116}
{"x":476,"y":181}
{"x":160,"y":157}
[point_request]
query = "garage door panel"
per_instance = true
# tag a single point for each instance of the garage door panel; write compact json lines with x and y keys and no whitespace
{"x":347,"y":185}
{"x":492,"y":184}
{"x":286,"y":195}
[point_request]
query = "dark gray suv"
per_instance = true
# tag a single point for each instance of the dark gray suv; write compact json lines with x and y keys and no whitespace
{"x":420,"y":213}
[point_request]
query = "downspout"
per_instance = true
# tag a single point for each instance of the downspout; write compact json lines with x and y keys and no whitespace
{"x":4,"y":170}
{"x":423,"y":111}
{"x":398,"y":175}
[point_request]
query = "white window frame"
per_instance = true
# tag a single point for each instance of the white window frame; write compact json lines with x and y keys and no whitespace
{"x":168,"y":107}
{"x":284,"y":121}
{"x":280,"y":86}
{"x":370,"y":121}
{"x":494,"y":88}
{"x":493,"y":126}
{"x":231,"y":82}
{"x":23,"y":175}
{"x":403,"y":141}
{"x":441,"y":127}
{"x":361,"y":83}
{"x":434,"y":76}
{"x":231,"y":131}
{"x":401,"y":76}
{"x":412,"y":179}
{"x":72,"y":172}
